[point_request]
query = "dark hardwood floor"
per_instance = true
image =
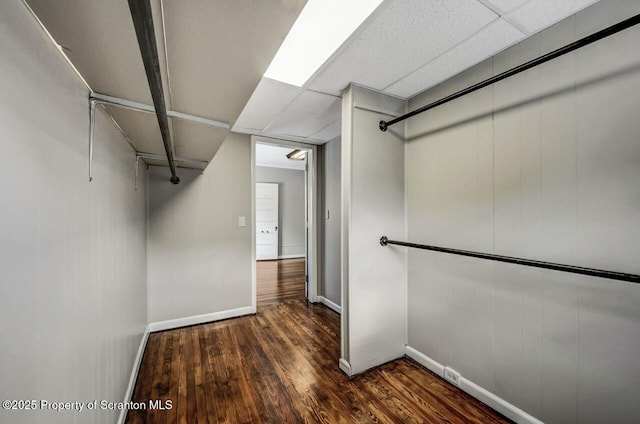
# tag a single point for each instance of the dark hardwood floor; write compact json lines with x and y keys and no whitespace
{"x":281,"y":365}
{"x":280,"y":280}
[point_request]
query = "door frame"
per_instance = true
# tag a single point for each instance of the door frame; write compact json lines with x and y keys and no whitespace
{"x":312,"y":214}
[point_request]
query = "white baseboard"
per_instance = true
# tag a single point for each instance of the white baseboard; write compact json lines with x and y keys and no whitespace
{"x":425,"y":361}
{"x":329,"y":304}
{"x":357,"y":368}
{"x":483,"y":395}
{"x":199,"y":319}
{"x":291,"y":256}
{"x":134,"y":374}
{"x":344,"y":366}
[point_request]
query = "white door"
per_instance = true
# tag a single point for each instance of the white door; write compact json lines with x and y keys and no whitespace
{"x":266,"y":221}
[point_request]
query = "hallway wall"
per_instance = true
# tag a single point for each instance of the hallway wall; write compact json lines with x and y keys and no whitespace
{"x":331,"y":249}
{"x":291,"y":219}
{"x":544,"y":165}
{"x":72,"y":253}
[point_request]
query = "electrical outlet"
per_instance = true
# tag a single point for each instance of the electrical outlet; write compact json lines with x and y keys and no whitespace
{"x":452,"y":376}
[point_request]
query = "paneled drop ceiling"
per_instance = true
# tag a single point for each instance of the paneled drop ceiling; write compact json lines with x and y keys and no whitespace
{"x":214,"y":53}
{"x":404,"y":48}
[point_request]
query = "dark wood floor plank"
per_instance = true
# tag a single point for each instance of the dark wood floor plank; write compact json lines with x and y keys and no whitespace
{"x":165,"y":351}
{"x":144,"y":381}
{"x":281,"y":366}
{"x":280,"y":280}
{"x":318,"y":400}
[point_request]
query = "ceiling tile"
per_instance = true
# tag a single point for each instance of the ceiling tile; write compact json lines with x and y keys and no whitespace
{"x":504,"y":5}
{"x":398,"y":38}
{"x":492,"y":39}
{"x":537,"y":15}
{"x":266,"y":102}
{"x":306,"y":115}
{"x":329,"y":132}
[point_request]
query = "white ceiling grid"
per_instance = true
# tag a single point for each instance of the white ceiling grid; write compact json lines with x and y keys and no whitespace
{"x":402,"y":49}
{"x":399,"y":39}
{"x":217,"y":51}
{"x":292,"y":120}
{"x":267,"y":101}
{"x":499,"y":34}
{"x":537,"y":15}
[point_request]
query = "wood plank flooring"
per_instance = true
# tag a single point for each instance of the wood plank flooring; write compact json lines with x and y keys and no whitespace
{"x":280,"y":280}
{"x":281,"y":365}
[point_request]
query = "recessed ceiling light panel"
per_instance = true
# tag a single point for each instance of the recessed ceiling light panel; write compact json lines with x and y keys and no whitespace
{"x":323,"y":25}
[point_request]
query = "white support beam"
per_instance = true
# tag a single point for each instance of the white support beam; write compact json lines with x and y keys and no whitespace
{"x":155,"y":156}
{"x":141,"y":107}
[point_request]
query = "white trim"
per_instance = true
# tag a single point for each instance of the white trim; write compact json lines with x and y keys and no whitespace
{"x":252,"y":223}
{"x":344,"y":366}
{"x":312,"y":199}
{"x":134,"y":374}
{"x":425,"y":361}
{"x":289,"y":168}
{"x":345,"y":218}
{"x":362,"y":367}
{"x":483,"y":395}
{"x":329,"y":304}
{"x":300,"y":255}
{"x":199,"y":319}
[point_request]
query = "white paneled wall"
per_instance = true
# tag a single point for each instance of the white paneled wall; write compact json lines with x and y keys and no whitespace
{"x":373,"y":205}
{"x":72,"y":253}
{"x":543,"y":165}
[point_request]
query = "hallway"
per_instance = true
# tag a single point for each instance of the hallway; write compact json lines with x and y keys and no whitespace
{"x":280,"y":365}
{"x":280,"y":280}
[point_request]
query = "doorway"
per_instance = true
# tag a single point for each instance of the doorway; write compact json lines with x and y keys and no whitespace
{"x":283,"y":224}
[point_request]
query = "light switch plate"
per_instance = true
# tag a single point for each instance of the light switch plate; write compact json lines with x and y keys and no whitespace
{"x":242,"y":221}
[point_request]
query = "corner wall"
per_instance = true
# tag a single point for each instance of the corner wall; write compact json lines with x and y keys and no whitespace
{"x":72,"y":253}
{"x":373,"y":205}
{"x":544,"y":165}
{"x":199,"y":259}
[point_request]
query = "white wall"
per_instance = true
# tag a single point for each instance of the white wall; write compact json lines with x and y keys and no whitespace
{"x":547,"y":170}
{"x":330,"y":287}
{"x":72,"y":253}
{"x":373,"y":205}
{"x":199,"y":259}
{"x":291,"y":207}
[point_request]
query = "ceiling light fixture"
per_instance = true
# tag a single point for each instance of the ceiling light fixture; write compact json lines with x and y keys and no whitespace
{"x":323,"y":25}
{"x":297,"y":155}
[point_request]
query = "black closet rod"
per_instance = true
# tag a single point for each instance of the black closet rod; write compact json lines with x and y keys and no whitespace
{"x":632,"y":278}
{"x":613,"y":29}
{"x":142,"y":16}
